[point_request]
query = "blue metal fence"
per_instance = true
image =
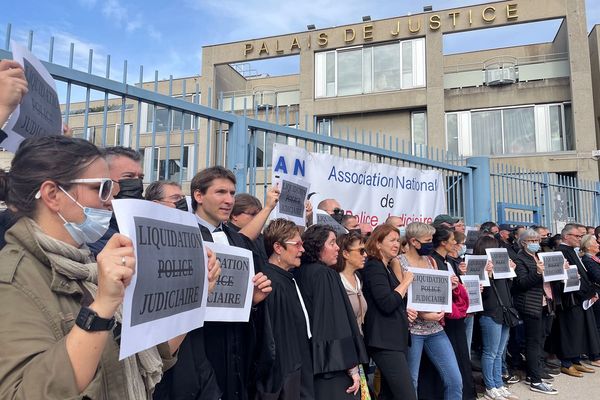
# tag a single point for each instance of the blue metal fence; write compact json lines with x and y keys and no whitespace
{"x":166,"y":121}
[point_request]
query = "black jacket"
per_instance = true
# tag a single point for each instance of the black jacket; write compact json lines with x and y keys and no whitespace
{"x":593,"y":269}
{"x":528,"y":286}
{"x":386,"y":322}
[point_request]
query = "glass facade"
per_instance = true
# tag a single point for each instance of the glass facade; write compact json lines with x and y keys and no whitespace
{"x":515,"y":130}
{"x":370,"y":69}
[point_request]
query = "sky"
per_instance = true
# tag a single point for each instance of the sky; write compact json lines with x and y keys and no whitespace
{"x":168,"y":35}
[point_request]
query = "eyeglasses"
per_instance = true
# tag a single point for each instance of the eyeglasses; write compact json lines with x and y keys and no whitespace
{"x":298,"y":244}
{"x":337,"y":211}
{"x":106,"y":186}
{"x":361,"y":250}
{"x":577,"y":236}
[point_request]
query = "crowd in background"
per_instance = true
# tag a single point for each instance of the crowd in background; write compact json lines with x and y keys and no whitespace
{"x":329,"y":317}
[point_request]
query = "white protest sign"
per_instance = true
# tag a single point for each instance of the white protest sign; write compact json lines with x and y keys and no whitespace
{"x":325,"y":219}
{"x":554,"y":266}
{"x":476,"y":266}
{"x":501,"y":261}
{"x":232,"y":298}
{"x":471,"y":283}
{"x":430,"y":290}
{"x":370,"y":191}
{"x":167,"y":294}
{"x":293,"y":192}
{"x":572,"y":282}
{"x":39,"y":113}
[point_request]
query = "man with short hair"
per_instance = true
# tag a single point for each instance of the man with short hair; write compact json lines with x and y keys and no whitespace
{"x":395,"y":221}
{"x":333,"y":208}
{"x":350,"y":222}
{"x":544,"y":233}
{"x":125,"y":169}
{"x":576,"y":333}
{"x":229,"y":345}
{"x":167,"y":193}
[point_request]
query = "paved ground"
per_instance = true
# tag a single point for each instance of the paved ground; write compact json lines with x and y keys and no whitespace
{"x":569,"y":388}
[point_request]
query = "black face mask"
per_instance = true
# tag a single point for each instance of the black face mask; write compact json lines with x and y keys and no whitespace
{"x":546,"y":243}
{"x":426,"y":249}
{"x":181,"y":204}
{"x":130,"y":189}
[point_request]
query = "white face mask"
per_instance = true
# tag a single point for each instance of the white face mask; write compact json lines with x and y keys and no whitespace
{"x":92,"y":228}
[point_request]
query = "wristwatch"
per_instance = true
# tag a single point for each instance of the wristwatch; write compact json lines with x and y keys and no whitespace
{"x":88,"y":320}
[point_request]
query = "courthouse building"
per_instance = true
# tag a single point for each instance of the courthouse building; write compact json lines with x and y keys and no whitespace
{"x":533,"y":106}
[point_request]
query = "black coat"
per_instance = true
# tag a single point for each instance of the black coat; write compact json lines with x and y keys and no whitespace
{"x":574,"y":332}
{"x":386,"y":322}
{"x":593,"y":269}
{"x":528,"y":286}
{"x":214,"y":361}
{"x":337,"y":344}
{"x":290,"y":374}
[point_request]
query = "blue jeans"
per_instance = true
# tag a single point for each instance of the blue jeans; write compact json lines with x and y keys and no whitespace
{"x":469,"y":331}
{"x":494,"y":337}
{"x":439,"y":350}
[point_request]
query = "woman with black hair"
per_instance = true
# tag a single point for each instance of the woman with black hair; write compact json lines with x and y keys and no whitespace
{"x":430,"y":382}
{"x":494,"y":330}
{"x":60,"y":305}
{"x":337,"y":346}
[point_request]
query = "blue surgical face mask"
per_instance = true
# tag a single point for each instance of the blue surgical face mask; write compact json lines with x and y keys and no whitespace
{"x":93,"y":227}
{"x":463,"y":250}
{"x":533,"y":247}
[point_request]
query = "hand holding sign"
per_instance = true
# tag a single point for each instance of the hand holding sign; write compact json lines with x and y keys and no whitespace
{"x":272,"y":197}
{"x":262,"y":288}
{"x":116,"y":266}
{"x":13,"y":86}
{"x":539,"y":267}
{"x":214,"y":269}
{"x":412,"y":314}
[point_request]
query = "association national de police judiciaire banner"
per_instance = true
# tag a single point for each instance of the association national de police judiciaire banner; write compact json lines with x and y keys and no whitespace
{"x":371,"y":191}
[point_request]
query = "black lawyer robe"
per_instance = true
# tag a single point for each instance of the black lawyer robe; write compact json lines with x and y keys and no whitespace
{"x":337,"y":344}
{"x":290,"y":376}
{"x":574,"y":331}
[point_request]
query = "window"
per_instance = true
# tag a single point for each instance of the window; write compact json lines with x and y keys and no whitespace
{"x":179,"y":167}
{"x":177,"y":118}
{"x":263,"y":156}
{"x":516,"y":130}
{"x":349,"y":72}
{"x":369,"y":69}
{"x":418,"y":128}
{"x":126,"y":140}
{"x":386,"y":68}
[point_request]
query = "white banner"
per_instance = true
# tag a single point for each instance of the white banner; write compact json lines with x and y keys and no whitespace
{"x":370,"y":191}
{"x":167,"y":294}
{"x":572,"y":282}
{"x":39,"y":113}
{"x":232,"y":298}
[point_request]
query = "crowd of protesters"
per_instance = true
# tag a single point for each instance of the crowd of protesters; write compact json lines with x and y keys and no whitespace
{"x":329,"y":317}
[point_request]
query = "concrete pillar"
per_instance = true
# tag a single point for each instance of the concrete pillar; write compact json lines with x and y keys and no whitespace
{"x":581,"y":88}
{"x":434,"y":56}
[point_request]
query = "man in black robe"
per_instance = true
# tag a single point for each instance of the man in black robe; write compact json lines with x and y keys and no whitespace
{"x":229,"y":347}
{"x":575,"y":328}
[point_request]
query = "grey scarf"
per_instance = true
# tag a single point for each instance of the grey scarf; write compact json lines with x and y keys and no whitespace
{"x":143,"y":370}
